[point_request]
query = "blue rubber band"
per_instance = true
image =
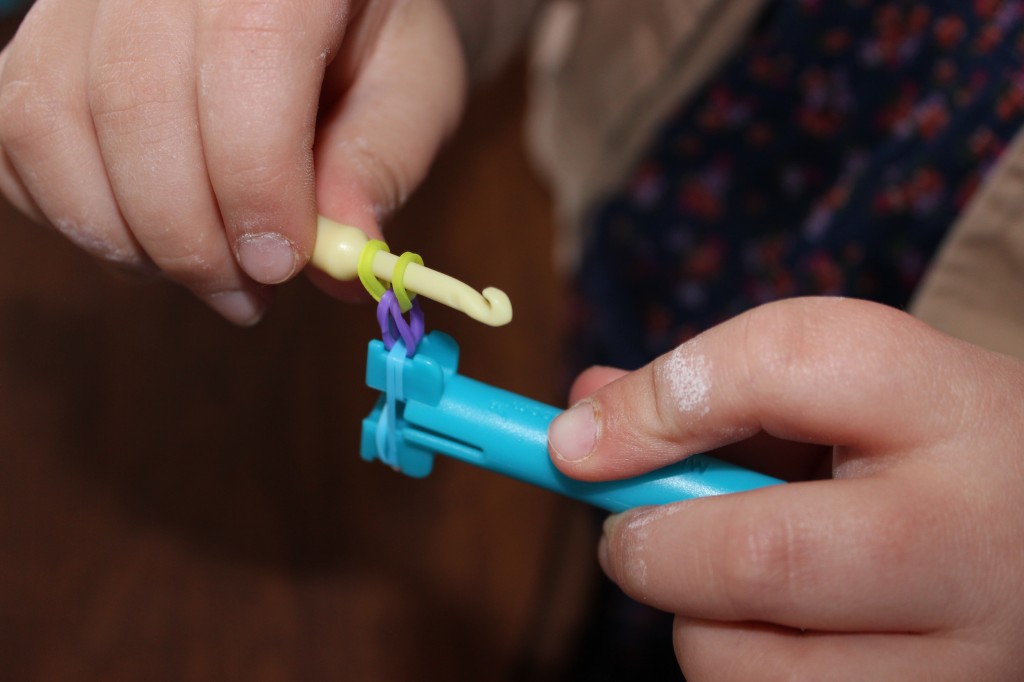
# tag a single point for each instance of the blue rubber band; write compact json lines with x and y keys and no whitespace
{"x":387,"y":425}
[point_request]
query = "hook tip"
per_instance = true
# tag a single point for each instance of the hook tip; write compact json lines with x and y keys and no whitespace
{"x":500,"y":307}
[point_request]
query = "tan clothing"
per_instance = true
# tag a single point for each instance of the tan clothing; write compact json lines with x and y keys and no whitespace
{"x":605,"y":74}
{"x":975,"y":287}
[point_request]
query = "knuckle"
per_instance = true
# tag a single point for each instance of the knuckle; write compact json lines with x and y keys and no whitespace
{"x":142,"y":75}
{"x":263,"y":176}
{"x":680,"y":383}
{"x":32,"y":111}
{"x":256,"y":26}
{"x":388,"y":179}
{"x":763,"y":561}
{"x":775,"y":337}
{"x":392,"y":182}
{"x":133,"y":105}
{"x":659,"y":388}
{"x":778,"y":345}
{"x":126,"y":91}
{"x":250,"y":193}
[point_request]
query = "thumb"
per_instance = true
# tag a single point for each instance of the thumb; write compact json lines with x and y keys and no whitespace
{"x":390,"y":102}
{"x":829,"y":371}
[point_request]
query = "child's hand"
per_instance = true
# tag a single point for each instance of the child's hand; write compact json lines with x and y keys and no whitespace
{"x":908,"y":566}
{"x":179,"y":134}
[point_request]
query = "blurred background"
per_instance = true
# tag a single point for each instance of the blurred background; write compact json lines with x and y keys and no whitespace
{"x":181,"y":499}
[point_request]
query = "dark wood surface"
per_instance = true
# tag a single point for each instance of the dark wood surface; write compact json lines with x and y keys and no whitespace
{"x":183,"y":500}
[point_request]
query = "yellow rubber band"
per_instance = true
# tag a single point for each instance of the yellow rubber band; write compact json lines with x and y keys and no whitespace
{"x":398,"y":279}
{"x":365,"y":268}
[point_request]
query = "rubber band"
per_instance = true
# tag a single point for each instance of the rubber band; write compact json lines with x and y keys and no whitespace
{"x":393,"y":327}
{"x":365,"y":268}
{"x":387,"y":425}
{"x":398,"y":279}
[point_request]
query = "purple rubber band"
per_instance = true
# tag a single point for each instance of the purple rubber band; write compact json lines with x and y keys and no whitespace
{"x":389,"y":317}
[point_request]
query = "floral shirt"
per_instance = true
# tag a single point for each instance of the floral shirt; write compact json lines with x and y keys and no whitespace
{"x":829,"y":156}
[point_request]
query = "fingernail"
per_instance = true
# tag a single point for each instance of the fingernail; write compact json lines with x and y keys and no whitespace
{"x":240,"y":307}
{"x":268,"y":258}
{"x":574,"y":432}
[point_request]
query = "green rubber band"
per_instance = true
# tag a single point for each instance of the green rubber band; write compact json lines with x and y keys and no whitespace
{"x":365,"y":268}
{"x":398,"y":279}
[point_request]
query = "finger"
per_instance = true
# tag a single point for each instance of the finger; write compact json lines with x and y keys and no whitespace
{"x":728,"y":652}
{"x":144,"y":106}
{"x":829,"y":371}
{"x":378,"y":139}
{"x":14,"y":190}
{"x":593,"y":379}
{"x":261,"y":67}
{"x":11,"y":186}
{"x":53,"y":169}
{"x":782,"y":459}
{"x":827,"y":555}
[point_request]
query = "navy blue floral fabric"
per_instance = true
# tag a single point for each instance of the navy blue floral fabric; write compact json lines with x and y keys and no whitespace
{"x":830,"y":156}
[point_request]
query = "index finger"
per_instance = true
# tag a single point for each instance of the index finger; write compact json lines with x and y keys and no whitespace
{"x":829,"y":371}
{"x":261,"y":66}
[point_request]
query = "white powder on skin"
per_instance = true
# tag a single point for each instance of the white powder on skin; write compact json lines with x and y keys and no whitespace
{"x":687,"y":374}
{"x":637,"y":533}
{"x":95,"y":241}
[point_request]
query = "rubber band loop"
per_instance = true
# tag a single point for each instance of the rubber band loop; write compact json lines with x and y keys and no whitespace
{"x":384,"y":320}
{"x":365,"y":268}
{"x":387,"y":425}
{"x":398,"y":279}
{"x":394,"y":327}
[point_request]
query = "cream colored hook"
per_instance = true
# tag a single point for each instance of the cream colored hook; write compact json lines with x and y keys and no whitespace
{"x":337,"y":253}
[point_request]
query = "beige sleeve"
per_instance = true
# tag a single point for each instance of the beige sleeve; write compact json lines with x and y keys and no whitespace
{"x":974,"y":289}
{"x":605,"y":74}
{"x":492,"y":31}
